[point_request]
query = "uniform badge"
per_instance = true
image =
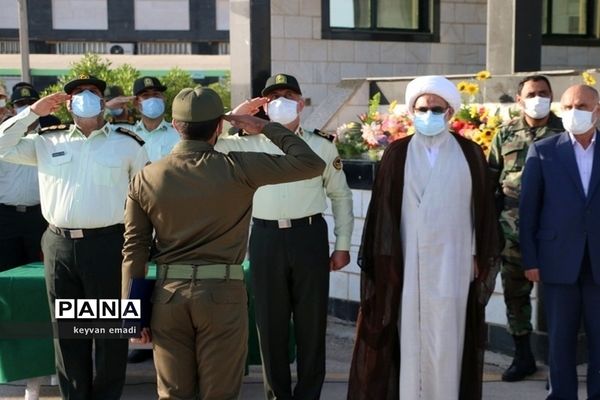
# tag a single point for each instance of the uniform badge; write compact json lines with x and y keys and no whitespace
{"x":25,"y":92}
{"x":280,"y":79}
{"x":148,"y":82}
{"x":84,"y":76}
{"x":337,"y":163}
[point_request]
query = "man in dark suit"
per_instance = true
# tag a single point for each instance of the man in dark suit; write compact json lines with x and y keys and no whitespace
{"x":560,"y":237}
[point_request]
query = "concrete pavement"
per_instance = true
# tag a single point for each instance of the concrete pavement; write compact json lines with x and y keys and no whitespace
{"x":141,"y":381}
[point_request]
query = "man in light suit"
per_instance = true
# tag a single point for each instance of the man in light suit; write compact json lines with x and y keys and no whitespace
{"x":560,"y":237}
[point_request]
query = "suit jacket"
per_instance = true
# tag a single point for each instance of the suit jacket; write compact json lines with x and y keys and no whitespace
{"x":557,"y":218}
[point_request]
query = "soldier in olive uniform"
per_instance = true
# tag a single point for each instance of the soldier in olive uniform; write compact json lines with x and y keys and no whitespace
{"x":199,"y":202}
{"x":506,"y":160}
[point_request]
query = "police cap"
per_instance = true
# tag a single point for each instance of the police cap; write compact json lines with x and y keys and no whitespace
{"x":113,"y":91}
{"x":281,"y":81}
{"x":197,"y":105}
{"x":24,"y":92}
{"x":147,"y":83}
{"x":84,"y":80}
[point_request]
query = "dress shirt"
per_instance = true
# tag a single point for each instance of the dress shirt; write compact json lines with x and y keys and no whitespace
{"x":83,"y":180}
{"x":585,"y":160}
{"x":159,"y":141}
{"x":18,"y":185}
{"x":200,"y":200}
{"x":301,"y":198}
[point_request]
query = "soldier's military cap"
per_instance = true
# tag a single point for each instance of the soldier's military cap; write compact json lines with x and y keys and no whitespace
{"x":147,"y":83}
{"x":24,"y":92}
{"x":281,"y":81}
{"x":197,"y":105}
{"x":84,"y":80}
{"x":113,"y":91}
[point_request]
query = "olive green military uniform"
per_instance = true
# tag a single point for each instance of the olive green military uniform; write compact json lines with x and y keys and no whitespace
{"x":199,"y":201}
{"x":507,"y":159}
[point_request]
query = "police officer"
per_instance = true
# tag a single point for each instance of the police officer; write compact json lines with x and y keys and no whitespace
{"x":199,"y":202}
{"x":289,"y":251}
{"x":506,"y":160}
{"x":21,"y":220}
{"x":84,"y":170}
{"x":117,"y":107}
{"x":159,"y":135}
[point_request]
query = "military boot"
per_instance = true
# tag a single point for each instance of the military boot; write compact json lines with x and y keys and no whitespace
{"x":523,"y":364}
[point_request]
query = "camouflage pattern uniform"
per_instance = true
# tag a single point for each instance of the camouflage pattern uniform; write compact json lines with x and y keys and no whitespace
{"x":506,"y":160}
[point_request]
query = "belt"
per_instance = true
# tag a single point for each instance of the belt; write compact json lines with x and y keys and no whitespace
{"x":210,"y":271}
{"x":84,"y":233}
{"x":20,"y":208}
{"x":286,"y":223}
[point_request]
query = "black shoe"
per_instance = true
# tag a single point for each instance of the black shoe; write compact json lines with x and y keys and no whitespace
{"x":523,"y":364}
{"x":138,"y":356}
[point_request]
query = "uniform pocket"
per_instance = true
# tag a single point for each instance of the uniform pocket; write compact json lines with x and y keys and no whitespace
{"x":510,"y":156}
{"x":107,"y":171}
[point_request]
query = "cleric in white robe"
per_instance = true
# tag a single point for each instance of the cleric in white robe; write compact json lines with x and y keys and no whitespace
{"x":429,"y":246}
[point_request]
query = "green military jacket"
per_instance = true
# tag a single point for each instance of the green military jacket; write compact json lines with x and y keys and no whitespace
{"x":506,"y":160}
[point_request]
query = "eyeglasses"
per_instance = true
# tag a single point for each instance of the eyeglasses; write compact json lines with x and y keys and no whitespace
{"x":435,"y":110}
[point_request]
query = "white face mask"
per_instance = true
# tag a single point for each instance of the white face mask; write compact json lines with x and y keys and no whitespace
{"x":2,"y":102}
{"x":19,"y":109}
{"x":537,"y":107}
{"x":577,"y":121}
{"x":86,"y":104}
{"x":282,"y":110}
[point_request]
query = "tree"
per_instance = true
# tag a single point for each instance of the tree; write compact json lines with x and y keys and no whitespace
{"x":123,"y":76}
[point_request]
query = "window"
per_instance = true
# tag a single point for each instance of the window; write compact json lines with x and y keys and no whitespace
{"x":80,"y":14}
{"x":162,"y":15}
{"x":571,"y":22}
{"x":402,"y":20}
{"x":9,"y":17}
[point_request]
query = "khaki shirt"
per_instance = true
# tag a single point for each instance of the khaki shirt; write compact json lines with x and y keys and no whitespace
{"x":200,"y":200}
{"x":83,"y":180}
{"x":160,"y":141}
{"x":306,"y":197}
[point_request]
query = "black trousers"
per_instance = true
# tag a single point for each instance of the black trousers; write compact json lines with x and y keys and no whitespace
{"x":20,"y":236}
{"x":290,"y":277}
{"x":88,"y":268}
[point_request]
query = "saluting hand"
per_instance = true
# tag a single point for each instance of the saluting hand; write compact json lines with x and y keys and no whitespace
{"x":119,"y":101}
{"x":251,"y":125}
{"x":250,"y":106}
{"x":49,"y":104}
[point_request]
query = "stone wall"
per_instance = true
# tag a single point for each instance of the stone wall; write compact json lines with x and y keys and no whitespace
{"x":297,"y":48}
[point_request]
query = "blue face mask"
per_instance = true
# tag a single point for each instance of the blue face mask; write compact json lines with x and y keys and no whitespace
{"x":86,"y":104}
{"x":429,"y":124}
{"x":153,"y":107}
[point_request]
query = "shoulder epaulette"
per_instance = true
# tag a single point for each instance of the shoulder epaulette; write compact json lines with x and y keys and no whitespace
{"x":324,"y":135}
{"x":53,"y":128}
{"x":131,"y":134}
